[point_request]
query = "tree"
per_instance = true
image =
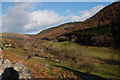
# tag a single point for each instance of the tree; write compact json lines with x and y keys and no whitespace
{"x":88,"y":64}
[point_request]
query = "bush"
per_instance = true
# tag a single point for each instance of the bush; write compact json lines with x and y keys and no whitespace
{"x":63,"y":38}
{"x":88,"y":64}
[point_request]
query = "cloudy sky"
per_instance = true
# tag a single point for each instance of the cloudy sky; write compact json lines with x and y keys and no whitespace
{"x":33,"y":17}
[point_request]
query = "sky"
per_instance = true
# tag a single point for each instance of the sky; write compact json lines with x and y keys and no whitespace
{"x":33,"y":17}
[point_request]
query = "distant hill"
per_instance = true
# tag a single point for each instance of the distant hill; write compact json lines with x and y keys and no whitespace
{"x":15,"y":36}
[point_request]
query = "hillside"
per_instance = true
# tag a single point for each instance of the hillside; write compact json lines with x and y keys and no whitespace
{"x":99,"y":30}
{"x":15,"y":36}
{"x":14,"y":39}
{"x":107,"y":15}
{"x":52,"y":33}
{"x":102,"y":29}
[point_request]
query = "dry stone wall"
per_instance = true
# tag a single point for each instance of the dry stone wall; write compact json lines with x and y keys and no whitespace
{"x":14,"y":71}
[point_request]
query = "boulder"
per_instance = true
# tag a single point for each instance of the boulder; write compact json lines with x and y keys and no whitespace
{"x":13,"y":71}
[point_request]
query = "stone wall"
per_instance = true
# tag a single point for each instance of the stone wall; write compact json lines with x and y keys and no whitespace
{"x":14,"y":71}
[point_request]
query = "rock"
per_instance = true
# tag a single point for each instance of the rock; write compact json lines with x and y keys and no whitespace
{"x":1,"y":58}
{"x":25,"y":74}
{"x":14,"y":71}
{"x":18,"y":66}
{"x":47,"y":65}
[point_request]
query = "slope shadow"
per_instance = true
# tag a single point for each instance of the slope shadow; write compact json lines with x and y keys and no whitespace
{"x":81,"y":75}
{"x":10,"y":74}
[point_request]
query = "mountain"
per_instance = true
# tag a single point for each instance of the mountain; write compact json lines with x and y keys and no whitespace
{"x":99,"y":30}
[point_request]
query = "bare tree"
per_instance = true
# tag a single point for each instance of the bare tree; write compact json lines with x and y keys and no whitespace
{"x":88,"y":64}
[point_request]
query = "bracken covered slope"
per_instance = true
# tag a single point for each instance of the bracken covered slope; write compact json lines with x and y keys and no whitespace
{"x":106,"y":21}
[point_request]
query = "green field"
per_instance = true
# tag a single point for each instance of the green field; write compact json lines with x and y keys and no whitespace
{"x":93,"y":51}
{"x":103,"y":53}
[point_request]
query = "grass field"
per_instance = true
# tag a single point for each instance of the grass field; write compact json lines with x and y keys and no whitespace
{"x":104,"y":53}
{"x":93,"y":51}
{"x":102,"y":70}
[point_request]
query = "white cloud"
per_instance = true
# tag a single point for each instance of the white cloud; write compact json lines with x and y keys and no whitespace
{"x":16,"y":17}
{"x":43,"y":19}
{"x":88,"y":13}
{"x":19,"y":19}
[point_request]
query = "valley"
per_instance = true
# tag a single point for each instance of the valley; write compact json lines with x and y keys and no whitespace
{"x":87,"y":50}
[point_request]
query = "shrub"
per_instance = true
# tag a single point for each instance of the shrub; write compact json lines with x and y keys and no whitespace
{"x":88,"y":64}
{"x":63,"y":38}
